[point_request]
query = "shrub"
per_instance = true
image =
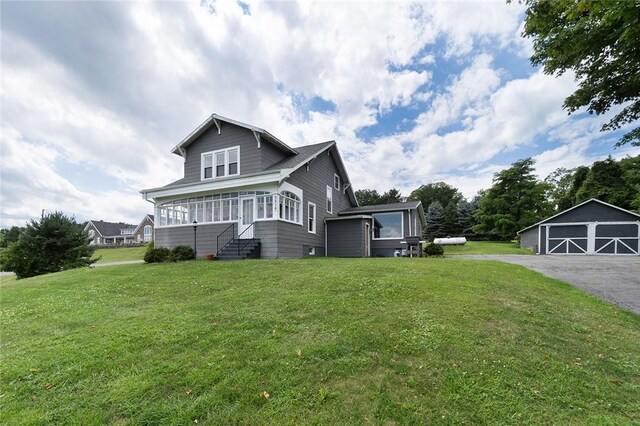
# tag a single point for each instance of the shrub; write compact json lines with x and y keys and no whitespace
{"x":180,"y":253}
{"x":432,"y":249}
{"x":156,"y":255}
{"x":54,"y":243}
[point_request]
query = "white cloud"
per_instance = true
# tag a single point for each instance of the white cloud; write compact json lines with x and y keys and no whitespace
{"x":140,"y":76}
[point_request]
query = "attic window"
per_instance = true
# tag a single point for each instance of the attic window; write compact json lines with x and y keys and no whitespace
{"x":336,"y":182}
{"x":222,"y":163}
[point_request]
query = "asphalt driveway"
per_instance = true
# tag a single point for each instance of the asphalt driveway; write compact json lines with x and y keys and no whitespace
{"x":615,"y":279}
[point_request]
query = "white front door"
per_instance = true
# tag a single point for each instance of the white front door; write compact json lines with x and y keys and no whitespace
{"x":245,"y":217}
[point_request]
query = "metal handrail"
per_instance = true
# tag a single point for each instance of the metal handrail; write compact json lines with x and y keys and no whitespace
{"x":233,"y":233}
{"x":248,"y":240}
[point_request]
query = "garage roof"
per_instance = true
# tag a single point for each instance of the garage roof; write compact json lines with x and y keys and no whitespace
{"x":592,"y":200}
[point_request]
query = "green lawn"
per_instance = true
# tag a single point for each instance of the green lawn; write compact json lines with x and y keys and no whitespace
{"x":120,"y":254}
{"x":487,"y":247}
{"x":322,"y":341}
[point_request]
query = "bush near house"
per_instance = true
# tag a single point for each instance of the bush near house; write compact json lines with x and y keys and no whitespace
{"x":433,"y":249}
{"x":182,"y":253}
{"x":157,"y":255}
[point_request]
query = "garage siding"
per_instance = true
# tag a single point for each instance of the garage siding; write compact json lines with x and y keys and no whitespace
{"x":529,"y":239}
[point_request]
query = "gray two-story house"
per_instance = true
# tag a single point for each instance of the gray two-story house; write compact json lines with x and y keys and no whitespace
{"x":246,"y":193}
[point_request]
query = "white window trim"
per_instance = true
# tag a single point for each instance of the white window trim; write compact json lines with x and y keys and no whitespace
{"x":329,"y":196}
{"x":373,"y":233}
{"x":213,"y":163}
{"x":315,"y":215}
{"x":336,"y":181}
{"x":301,"y":215}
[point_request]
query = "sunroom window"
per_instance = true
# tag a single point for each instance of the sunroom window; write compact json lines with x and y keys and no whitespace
{"x":289,"y":207}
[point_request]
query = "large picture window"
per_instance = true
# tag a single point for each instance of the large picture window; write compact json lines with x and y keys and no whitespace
{"x":388,"y":226}
{"x":225,"y":162}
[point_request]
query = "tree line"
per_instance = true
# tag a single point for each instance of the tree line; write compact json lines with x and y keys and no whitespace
{"x":517,"y":198}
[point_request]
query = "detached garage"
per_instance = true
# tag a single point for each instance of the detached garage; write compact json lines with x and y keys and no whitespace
{"x":593,"y":227}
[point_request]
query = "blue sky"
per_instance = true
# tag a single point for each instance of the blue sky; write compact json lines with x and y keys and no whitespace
{"x":95,"y":94}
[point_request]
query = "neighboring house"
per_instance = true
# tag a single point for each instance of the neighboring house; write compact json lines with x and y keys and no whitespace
{"x":119,"y":233}
{"x":245,"y":192}
{"x":593,"y":227}
{"x":144,"y":230}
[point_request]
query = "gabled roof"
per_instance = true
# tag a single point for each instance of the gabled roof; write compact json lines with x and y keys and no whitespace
{"x":108,"y":229}
{"x":592,"y":200}
{"x":305,"y":153}
{"x":150,"y":216}
{"x":308,"y":153}
{"x":215,"y":119}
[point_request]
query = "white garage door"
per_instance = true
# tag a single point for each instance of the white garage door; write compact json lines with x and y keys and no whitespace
{"x":611,"y":238}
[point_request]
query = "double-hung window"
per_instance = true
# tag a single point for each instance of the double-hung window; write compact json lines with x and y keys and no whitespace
{"x":311,"y":223}
{"x":329,"y":199}
{"x":217,"y":164}
{"x":336,"y":182}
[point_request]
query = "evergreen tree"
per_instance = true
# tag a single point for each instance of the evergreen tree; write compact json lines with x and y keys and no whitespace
{"x":55,"y":243}
{"x":435,"y":221}
{"x":391,"y":196}
{"x":450,"y":216}
{"x":367,"y":197}
{"x":464,"y":214}
{"x":515,"y":201}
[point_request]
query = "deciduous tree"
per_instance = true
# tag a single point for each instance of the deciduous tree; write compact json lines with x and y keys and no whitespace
{"x":605,"y":182}
{"x":598,"y":40}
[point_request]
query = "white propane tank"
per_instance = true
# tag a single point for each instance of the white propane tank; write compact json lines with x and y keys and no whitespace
{"x":450,"y":241}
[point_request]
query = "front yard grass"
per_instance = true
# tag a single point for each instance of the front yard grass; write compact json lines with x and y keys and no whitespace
{"x":487,"y":247}
{"x":328,"y":341}
{"x":120,"y":254}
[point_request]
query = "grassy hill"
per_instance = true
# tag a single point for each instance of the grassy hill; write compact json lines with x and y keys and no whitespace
{"x":120,"y":254}
{"x":328,"y":341}
{"x":487,"y":247}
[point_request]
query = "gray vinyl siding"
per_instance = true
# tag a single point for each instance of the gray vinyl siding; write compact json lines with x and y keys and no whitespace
{"x":267,"y":233}
{"x":346,"y":238}
{"x":184,"y":235}
{"x":529,"y":239}
{"x":594,"y":212}
{"x":270,"y":155}
{"x":289,"y":242}
{"x":313,"y":183}
{"x":252,"y":158}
